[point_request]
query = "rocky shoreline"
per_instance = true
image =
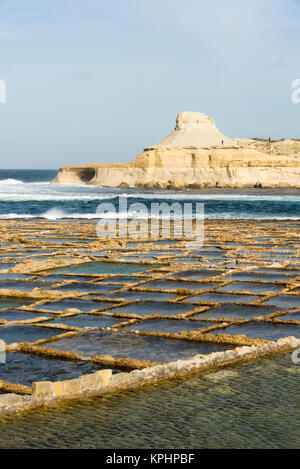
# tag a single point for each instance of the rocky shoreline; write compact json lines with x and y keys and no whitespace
{"x":196,"y":156}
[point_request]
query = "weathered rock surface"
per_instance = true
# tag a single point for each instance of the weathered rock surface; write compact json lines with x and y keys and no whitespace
{"x":196,"y":155}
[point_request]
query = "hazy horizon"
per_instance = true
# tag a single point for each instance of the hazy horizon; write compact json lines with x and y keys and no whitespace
{"x":98,"y":81}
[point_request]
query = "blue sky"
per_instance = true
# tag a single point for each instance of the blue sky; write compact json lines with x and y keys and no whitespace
{"x":99,"y":80}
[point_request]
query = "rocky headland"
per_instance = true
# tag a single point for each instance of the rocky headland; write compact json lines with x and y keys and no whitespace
{"x":197,"y":155}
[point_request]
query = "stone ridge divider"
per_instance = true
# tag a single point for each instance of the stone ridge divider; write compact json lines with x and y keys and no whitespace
{"x":104,"y":381}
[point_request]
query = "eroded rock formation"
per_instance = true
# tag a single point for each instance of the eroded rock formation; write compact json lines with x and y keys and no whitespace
{"x":196,"y":155}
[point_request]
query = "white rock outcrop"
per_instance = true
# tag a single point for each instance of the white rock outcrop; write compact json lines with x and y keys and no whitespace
{"x":196,"y":155}
{"x":195,"y":129}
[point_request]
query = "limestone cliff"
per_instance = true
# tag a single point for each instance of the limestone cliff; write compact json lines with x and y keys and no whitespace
{"x":197,"y":155}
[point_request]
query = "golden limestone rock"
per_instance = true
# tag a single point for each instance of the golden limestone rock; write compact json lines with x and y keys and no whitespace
{"x":196,"y":155}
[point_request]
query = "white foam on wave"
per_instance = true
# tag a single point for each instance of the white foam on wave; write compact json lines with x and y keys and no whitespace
{"x":47,"y":197}
{"x":31,"y":194}
{"x":238,"y":197}
{"x":9,"y":182}
{"x":57,"y":214}
{"x":14,"y":190}
{"x":12,"y":216}
{"x":53,"y":214}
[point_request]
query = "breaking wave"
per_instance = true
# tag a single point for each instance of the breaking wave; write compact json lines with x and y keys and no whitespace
{"x":30,"y":195}
{"x":9,"y":182}
{"x":57,"y":214}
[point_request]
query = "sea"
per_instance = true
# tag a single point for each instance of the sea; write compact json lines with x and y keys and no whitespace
{"x":30,"y":194}
{"x":250,"y":405}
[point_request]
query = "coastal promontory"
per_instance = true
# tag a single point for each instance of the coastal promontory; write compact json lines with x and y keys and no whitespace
{"x":196,"y":155}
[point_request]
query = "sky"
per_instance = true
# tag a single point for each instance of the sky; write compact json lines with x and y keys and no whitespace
{"x":94,"y":81}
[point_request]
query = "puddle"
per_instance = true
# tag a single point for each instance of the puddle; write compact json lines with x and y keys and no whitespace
{"x":106,"y":288}
{"x":237,"y":311}
{"x":103,"y":268}
{"x":124,"y":345}
{"x":12,"y":334}
{"x":25,"y":285}
{"x":287,"y":301}
{"x":87,"y":320}
{"x":7,"y":303}
{"x":222,"y":298}
{"x":265,"y":276}
{"x":149,"y":307}
{"x":143,"y":295}
{"x":262,"y":330}
{"x":168,"y":325}
{"x":8,"y":276}
{"x":82,"y":305}
{"x":280,"y":271}
{"x":294,"y":316}
{"x":24,"y":369}
{"x":79,"y":286}
{"x":62,"y":278}
{"x":252,"y":287}
{"x":7,"y":265}
{"x":38,"y":252}
{"x":20,"y":315}
{"x":198,"y":274}
{"x":121,"y":280}
{"x":173,"y":285}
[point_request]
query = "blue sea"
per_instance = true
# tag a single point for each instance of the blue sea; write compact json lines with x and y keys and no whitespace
{"x":29,"y":194}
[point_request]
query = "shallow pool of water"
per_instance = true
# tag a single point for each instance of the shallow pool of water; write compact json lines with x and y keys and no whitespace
{"x":154,"y":307}
{"x":8,"y":303}
{"x":12,"y":315}
{"x":82,"y":305}
{"x":237,"y":311}
{"x":252,"y":287}
{"x":287,"y":301}
{"x":103,"y":268}
{"x":141,"y":295}
{"x":197,"y":274}
{"x":295,"y":316}
{"x":214,"y":297}
{"x":88,"y":320}
{"x":134,"y":346}
{"x":169,"y":325}
{"x":250,"y":405}
{"x":262,"y":330}
{"x":24,"y":369}
{"x":173,"y":285}
{"x":18,"y":333}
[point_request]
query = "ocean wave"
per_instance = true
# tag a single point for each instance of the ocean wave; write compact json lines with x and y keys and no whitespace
{"x":12,"y":181}
{"x":241,"y":197}
{"x":4,"y":197}
{"x":8,"y":182}
{"x":12,"y":216}
{"x":57,"y":214}
{"x":48,"y":195}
